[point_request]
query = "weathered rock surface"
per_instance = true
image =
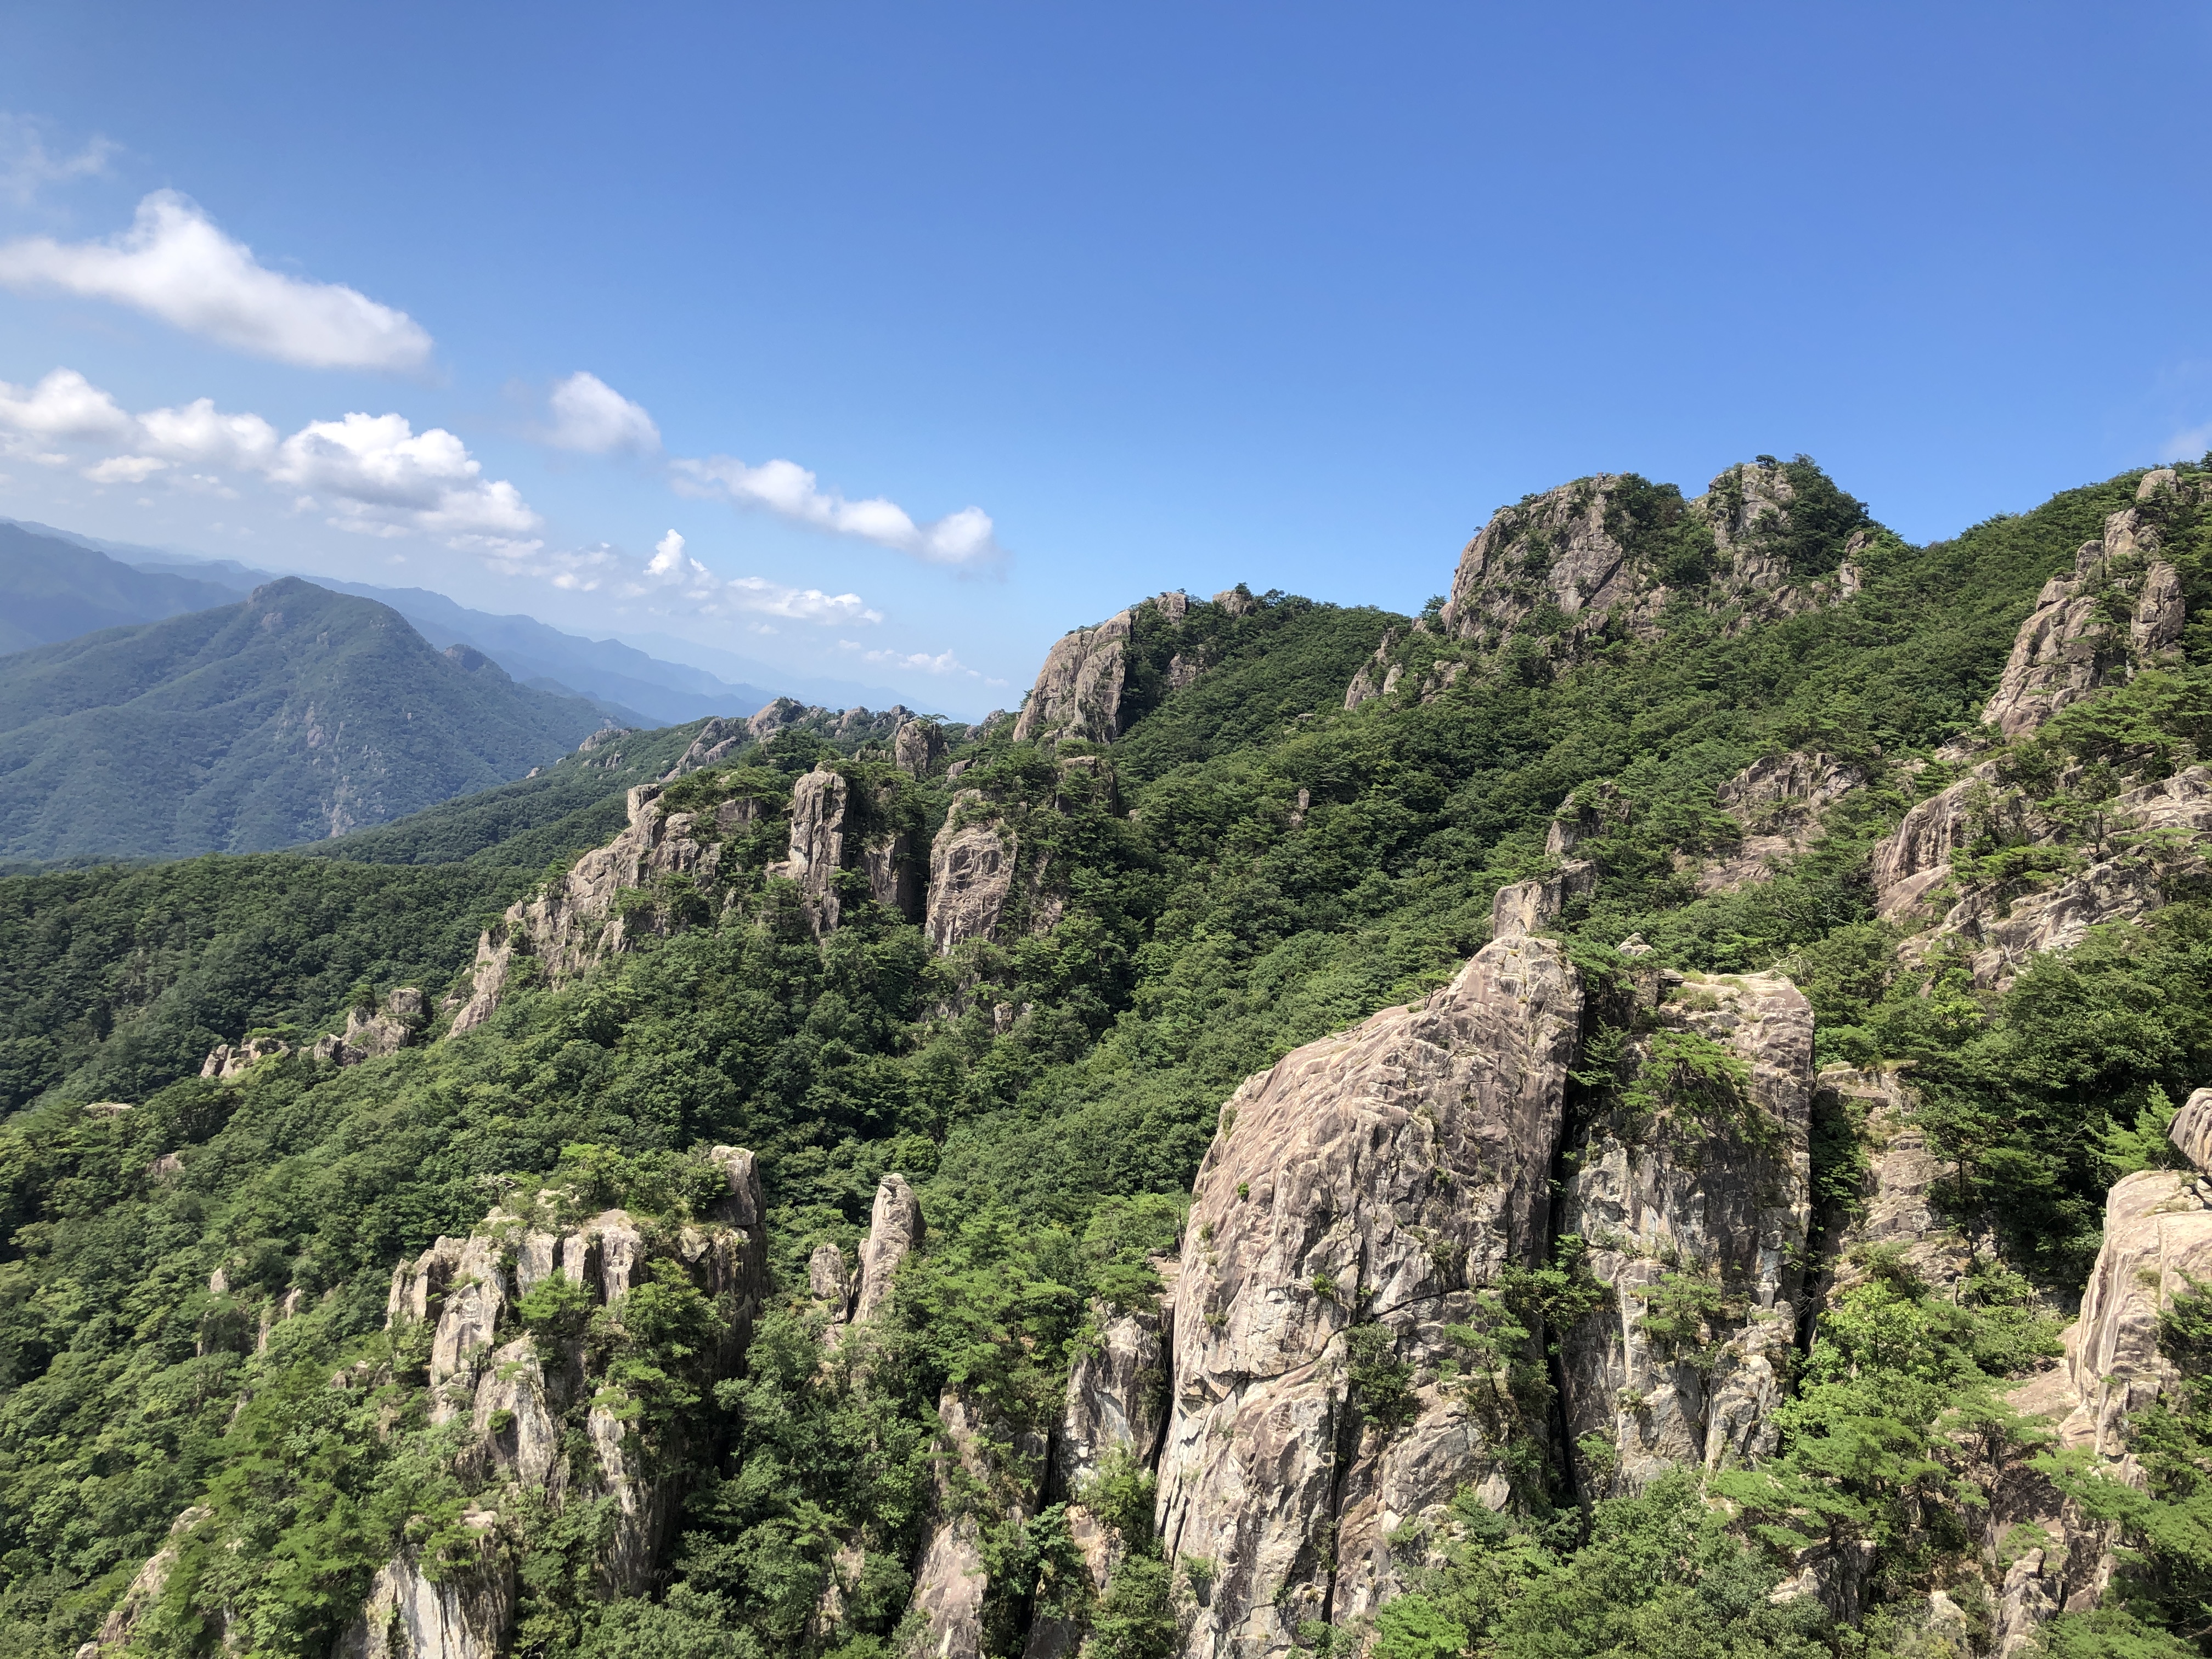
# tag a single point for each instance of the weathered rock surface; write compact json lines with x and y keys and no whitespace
{"x":1117,"y":1393}
{"x":1896,"y":1202}
{"x":971,"y":872}
{"x":145,"y":1589}
{"x":2068,"y":647}
{"x":464,"y":1615}
{"x":1383,"y":1176}
{"x":2192,"y":1132}
{"x":1373,"y":679}
{"x":574,"y":924}
{"x":521,"y":1399}
{"x":369,"y":1036}
{"x":228,"y":1061}
{"x":895,"y":1229}
{"x":1695,"y":1203}
{"x":2148,"y":837}
{"x":973,"y":1480}
{"x":1778,"y":800}
{"x":1078,"y":692}
{"x":1525,"y":906}
{"x":718,"y":741}
{"x":840,"y":824}
{"x":917,"y":747}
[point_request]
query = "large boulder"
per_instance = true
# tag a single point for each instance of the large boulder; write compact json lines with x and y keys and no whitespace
{"x":1378,"y":1181}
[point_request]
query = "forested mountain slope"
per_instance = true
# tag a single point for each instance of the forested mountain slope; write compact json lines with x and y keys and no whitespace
{"x":51,"y":589}
{"x":1568,"y":1125}
{"x":296,"y":714}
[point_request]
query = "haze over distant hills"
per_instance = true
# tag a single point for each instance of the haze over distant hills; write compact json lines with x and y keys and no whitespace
{"x":291,"y":715}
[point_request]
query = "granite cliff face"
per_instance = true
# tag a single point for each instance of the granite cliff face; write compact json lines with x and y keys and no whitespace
{"x":1692,"y":1191}
{"x":1379,"y":1182}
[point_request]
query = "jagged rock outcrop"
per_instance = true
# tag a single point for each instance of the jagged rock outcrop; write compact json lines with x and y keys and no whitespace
{"x":1525,"y":906}
{"x":1078,"y":692}
{"x":463,"y":1613}
{"x":1563,"y":567}
{"x":2157,"y":1245}
{"x":228,"y":1061}
{"x":895,"y":1229}
{"x":971,"y":872}
{"x":718,"y":741}
{"x":145,"y":1589}
{"x":521,"y":1394}
{"x":370,"y":1035}
{"x":574,"y":924}
{"x":779,"y":712}
{"x":1778,"y":800}
{"x":2069,"y":646}
{"x":1378,"y":1178}
{"x":1694,"y":1199}
{"x":988,"y":1467}
{"x":2139,"y":843}
{"x":1378,"y":676}
{"x":917,"y":747}
{"x":1896,"y":1206}
{"x":839,"y":824}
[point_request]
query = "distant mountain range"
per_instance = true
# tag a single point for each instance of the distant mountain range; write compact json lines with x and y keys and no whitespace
{"x":683,"y":682}
{"x":294,"y":714}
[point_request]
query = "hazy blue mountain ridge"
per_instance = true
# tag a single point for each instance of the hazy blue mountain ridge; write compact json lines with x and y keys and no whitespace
{"x":296,"y":715}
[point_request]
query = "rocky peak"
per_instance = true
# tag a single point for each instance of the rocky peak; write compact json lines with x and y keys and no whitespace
{"x":1080,"y":691}
{"x":1359,"y":1198}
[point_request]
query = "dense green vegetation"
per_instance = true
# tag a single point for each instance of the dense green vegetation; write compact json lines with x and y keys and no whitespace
{"x":294,"y":716}
{"x":1259,"y":869}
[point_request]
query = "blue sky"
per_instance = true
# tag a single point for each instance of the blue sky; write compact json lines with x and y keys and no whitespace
{"x":1171,"y":295}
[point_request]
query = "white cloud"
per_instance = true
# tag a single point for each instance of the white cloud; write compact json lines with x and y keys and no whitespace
{"x":384,"y":478}
{"x":919,"y":661}
{"x":962,"y":539}
{"x":590,"y":415}
{"x":198,"y":432}
{"x":25,"y":168}
{"x":175,"y":264}
{"x":64,"y":405}
{"x":2188,"y":446}
{"x":124,"y":469}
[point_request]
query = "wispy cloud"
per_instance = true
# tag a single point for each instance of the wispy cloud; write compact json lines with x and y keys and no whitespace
{"x":26,"y":167}
{"x":965,"y":540}
{"x":2190,"y":444}
{"x":174,"y":263}
{"x":590,"y":415}
{"x":944,"y":662}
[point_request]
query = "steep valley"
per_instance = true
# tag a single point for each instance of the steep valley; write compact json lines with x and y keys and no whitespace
{"x":1658,"y":1106}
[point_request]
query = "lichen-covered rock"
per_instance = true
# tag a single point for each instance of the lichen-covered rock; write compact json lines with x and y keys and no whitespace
{"x":895,"y":1229}
{"x":1380,"y":1177}
{"x":1694,"y":1199}
{"x":971,"y":872}
{"x":1368,"y":683}
{"x":1557,"y":550}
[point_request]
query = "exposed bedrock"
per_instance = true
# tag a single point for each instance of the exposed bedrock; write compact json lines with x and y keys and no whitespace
{"x":520,"y":1396}
{"x":1694,"y":1199}
{"x":1380,"y":1178}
